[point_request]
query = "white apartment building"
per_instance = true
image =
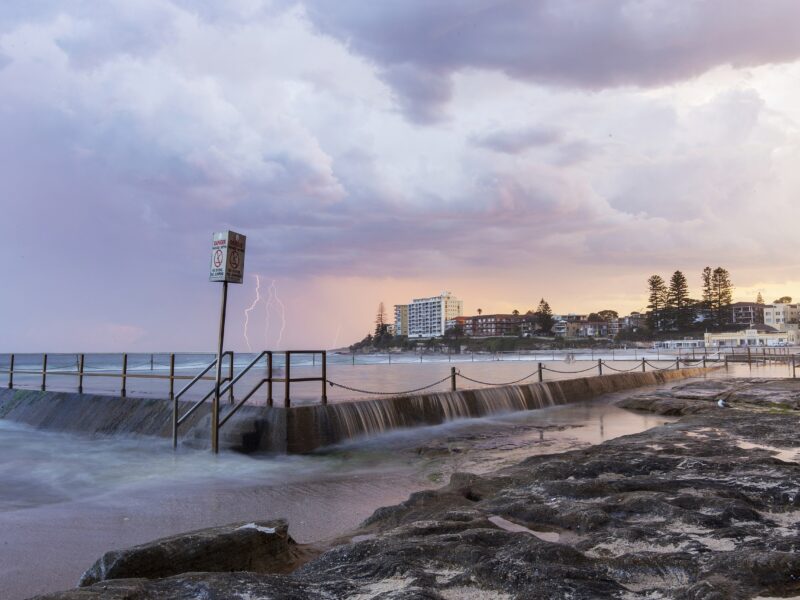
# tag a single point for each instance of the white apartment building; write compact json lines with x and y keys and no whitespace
{"x":750,"y":337}
{"x":782,"y":317}
{"x":427,"y":316}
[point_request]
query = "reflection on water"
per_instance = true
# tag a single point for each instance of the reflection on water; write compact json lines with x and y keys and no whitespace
{"x":65,"y":500}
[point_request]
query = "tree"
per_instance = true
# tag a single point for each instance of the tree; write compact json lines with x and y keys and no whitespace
{"x":722,"y":294}
{"x":480,"y":311}
{"x":759,"y":299}
{"x":381,"y":326}
{"x":515,"y":312}
{"x":708,"y":291}
{"x":544,"y":316}
{"x":783,"y":300}
{"x":594,"y":317}
{"x":608,"y":315}
{"x":678,"y":307}
{"x":656,"y":302}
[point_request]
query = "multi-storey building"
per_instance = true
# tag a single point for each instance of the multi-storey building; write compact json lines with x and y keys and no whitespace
{"x":782,"y":317}
{"x":747,"y":313}
{"x":751,"y":337}
{"x":427,"y":316}
{"x":401,"y":319}
{"x":491,"y":325}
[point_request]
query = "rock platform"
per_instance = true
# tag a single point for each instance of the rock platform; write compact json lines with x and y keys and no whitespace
{"x":706,"y":508}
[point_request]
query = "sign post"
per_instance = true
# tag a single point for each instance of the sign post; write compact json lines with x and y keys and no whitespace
{"x":227,"y":266}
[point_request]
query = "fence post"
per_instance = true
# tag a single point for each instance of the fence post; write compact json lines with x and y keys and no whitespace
{"x":287,"y":379}
{"x":704,"y":361}
{"x":172,"y":375}
{"x":81,"y":361}
{"x":600,"y":366}
{"x":11,"y":373}
{"x":324,"y":377}
{"x":644,"y":367}
{"x":794,"y":367}
{"x":726,"y":362}
{"x":269,"y":379}
{"x":452,"y":379}
{"x":230,"y":378}
{"x":44,"y":371}
{"x":677,"y":364}
{"x":124,"y":389}
{"x":541,"y":373}
{"x":749,"y":356}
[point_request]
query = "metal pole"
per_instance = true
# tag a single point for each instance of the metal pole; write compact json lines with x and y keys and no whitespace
{"x":726,"y":362}
{"x":218,"y":374}
{"x":541,"y":374}
{"x":644,"y":367}
{"x":44,"y":371}
{"x":171,"y":375}
{"x":230,"y":377}
{"x":794,"y":367}
{"x":151,"y":362}
{"x":287,"y":379}
{"x":174,"y":401}
{"x":452,"y":379}
{"x":677,"y":364}
{"x":124,"y":374}
{"x":269,"y":379}
{"x":600,"y":366}
{"x":11,"y":373}
{"x":704,"y":362}
{"x":81,"y":360}
{"x":324,"y":377}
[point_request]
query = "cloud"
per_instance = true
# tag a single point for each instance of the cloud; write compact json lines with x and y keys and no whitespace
{"x":409,"y":142}
{"x":594,"y":45}
{"x":515,"y":141}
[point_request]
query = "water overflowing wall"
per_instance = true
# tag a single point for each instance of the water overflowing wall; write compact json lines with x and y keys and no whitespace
{"x":302,"y":429}
{"x":310,"y":427}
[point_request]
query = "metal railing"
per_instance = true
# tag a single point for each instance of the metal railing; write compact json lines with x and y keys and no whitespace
{"x":80,"y":372}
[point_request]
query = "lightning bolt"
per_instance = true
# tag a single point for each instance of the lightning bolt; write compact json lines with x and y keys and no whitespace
{"x":274,"y":290}
{"x":248,"y":310}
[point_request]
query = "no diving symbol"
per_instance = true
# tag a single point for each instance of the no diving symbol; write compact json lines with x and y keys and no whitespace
{"x":234,"y":259}
{"x":218,"y":258}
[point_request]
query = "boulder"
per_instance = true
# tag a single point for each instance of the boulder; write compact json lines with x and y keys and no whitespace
{"x":258,"y":546}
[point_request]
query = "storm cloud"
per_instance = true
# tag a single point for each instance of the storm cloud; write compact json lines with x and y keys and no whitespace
{"x":397,"y":146}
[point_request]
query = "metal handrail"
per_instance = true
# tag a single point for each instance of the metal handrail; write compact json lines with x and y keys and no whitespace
{"x":241,"y":402}
{"x":232,"y":382}
{"x":177,"y":421}
{"x":199,"y":376}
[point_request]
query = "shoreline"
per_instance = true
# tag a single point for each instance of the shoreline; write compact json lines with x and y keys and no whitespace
{"x":699,"y":508}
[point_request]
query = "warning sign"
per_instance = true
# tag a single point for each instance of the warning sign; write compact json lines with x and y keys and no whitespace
{"x":227,"y":257}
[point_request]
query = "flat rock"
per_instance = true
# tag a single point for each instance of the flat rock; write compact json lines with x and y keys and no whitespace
{"x":259,"y":546}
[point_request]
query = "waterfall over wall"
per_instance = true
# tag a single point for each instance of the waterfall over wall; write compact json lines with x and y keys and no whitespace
{"x":302,"y":429}
{"x":310,"y":427}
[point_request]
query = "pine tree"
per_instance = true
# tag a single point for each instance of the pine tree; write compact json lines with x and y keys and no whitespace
{"x":722,"y":295}
{"x":656,"y":302}
{"x":759,"y":299}
{"x":678,"y":304}
{"x":544,"y":316}
{"x":708,"y":291}
{"x":380,"y":321}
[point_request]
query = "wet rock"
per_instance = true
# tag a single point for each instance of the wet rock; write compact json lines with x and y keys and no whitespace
{"x":707,"y":508}
{"x":261,"y":546}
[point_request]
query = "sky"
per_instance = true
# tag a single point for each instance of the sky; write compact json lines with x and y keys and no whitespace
{"x":381,"y":151}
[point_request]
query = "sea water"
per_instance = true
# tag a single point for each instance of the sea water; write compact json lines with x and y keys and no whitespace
{"x":65,"y":499}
